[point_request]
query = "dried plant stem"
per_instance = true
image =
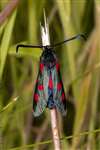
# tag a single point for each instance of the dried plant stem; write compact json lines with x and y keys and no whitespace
{"x":55,"y":131}
{"x":54,"y":122}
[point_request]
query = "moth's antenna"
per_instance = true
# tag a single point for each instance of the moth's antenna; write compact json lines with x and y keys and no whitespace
{"x":47,"y":38}
{"x":28,"y":46}
{"x":70,"y":39}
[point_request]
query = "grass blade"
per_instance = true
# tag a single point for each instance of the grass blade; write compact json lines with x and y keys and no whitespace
{"x":6,"y":42}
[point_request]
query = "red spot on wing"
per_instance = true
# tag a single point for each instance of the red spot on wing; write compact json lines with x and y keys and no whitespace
{"x":37,"y":81}
{"x":63,"y":96}
{"x":41,"y":67}
{"x":40,"y":87}
{"x":50,"y":83}
{"x":59,"y":86}
{"x":36,"y":97}
{"x":57,"y":66}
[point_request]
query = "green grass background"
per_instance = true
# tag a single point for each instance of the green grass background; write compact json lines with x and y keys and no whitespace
{"x":80,"y":69}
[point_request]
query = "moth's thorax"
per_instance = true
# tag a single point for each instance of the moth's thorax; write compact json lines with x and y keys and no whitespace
{"x":48,"y":58}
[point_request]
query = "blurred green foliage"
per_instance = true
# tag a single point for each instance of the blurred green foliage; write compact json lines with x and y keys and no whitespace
{"x":80,"y":68}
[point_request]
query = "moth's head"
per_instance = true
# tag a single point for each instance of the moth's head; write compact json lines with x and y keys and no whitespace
{"x":48,"y":57}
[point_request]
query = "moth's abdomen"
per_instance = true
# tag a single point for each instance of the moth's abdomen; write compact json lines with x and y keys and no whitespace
{"x":50,"y":103}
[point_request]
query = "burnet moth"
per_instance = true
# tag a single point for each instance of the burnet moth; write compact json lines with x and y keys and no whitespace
{"x":49,"y":90}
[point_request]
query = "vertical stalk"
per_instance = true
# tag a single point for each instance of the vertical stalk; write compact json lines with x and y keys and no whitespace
{"x":53,"y":112}
{"x":55,"y":130}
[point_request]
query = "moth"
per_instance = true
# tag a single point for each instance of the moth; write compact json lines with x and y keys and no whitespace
{"x":49,"y":91}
